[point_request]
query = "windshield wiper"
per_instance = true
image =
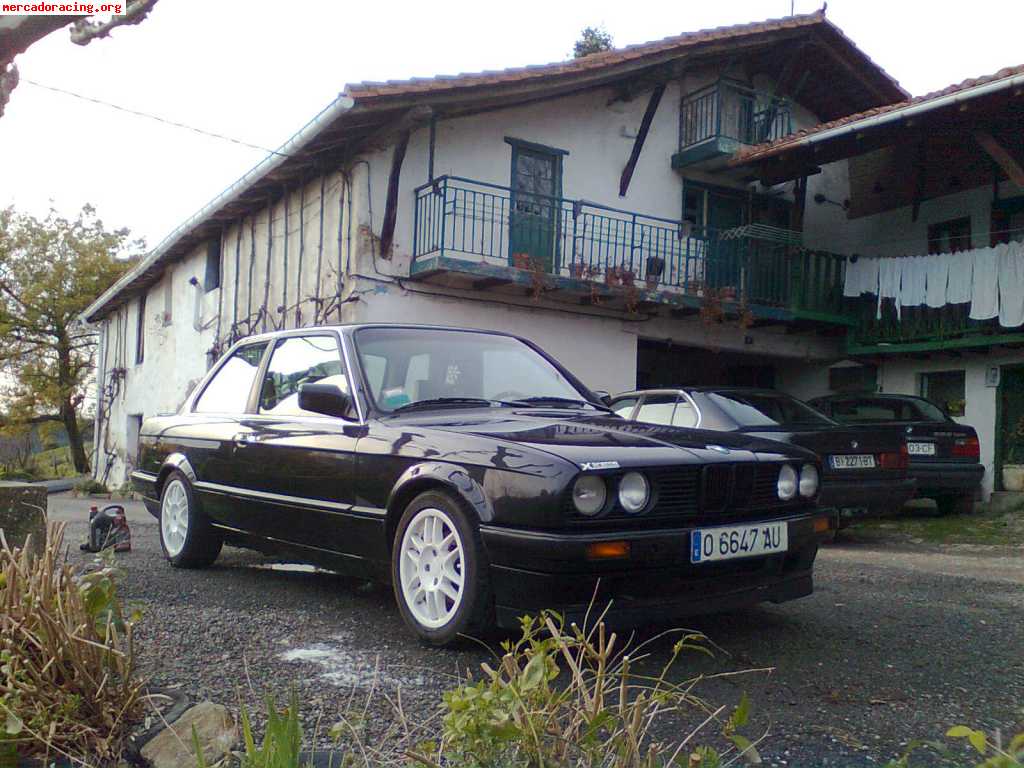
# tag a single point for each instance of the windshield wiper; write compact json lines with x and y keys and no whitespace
{"x":543,"y":400}
{"x":443,"y":402}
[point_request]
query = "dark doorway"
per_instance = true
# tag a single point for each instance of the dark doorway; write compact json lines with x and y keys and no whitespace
{"x":659,"y":364}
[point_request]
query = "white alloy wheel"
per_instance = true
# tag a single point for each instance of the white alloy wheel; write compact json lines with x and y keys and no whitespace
{"x":174,"y":517}
{"x":431,"y":568}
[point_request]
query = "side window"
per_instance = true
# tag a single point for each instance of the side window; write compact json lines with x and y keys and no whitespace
{"x":296,"y":361}
{"x":624,"y":407}
{"x":229,"y":389}
{"x":685,"y":414}
{"x":657,"y":409}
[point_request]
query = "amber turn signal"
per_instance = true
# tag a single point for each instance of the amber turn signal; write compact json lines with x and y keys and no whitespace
{"x":607,"y":550}
{"x":822,"y":525}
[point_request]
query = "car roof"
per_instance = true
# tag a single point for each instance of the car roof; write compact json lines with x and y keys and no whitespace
{"x":359,"y":326}
{"x":871,"y":395}
{"x":704,"y":388}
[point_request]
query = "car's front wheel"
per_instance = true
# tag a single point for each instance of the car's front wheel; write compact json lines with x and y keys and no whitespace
{"x":186,"y":536}
{"x":439,"y":571}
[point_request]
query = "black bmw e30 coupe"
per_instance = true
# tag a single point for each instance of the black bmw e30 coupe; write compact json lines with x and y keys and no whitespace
{"x":478,"y":476}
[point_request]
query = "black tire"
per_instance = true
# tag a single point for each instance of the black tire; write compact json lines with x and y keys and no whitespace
{"x":473,"y":612}
{"x":956,"y":505}
{"x":201,"y":544}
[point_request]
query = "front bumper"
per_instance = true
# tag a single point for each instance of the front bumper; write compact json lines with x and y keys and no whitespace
{"x":946,"y":478}
{"x":533,"y":570}
{"x":864,"y":493}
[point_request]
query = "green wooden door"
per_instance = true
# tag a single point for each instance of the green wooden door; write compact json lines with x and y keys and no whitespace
{"x":1010,"y":440}
{"x":535,"y":205}
{"x":724,"y":264}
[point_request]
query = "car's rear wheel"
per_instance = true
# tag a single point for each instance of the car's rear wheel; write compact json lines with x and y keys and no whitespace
{"x":956,"y":505}
{"x":186,"y":536}
{"x":439,"y":570}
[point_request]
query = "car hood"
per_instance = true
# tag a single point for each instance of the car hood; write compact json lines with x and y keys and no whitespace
{"x":587,"y":439}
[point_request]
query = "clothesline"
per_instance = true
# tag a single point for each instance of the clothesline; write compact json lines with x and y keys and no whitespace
{"x":991,"y":279}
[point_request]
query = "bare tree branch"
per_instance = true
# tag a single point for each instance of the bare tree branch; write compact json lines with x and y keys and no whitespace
{"x":87,"y":30}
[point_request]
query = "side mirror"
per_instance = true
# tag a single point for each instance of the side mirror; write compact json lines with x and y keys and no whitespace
{"x":604,"y":397}
{"x":327,"y":399}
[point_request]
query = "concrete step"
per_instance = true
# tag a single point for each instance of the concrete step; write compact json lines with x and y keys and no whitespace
{"x":1006,"y":501}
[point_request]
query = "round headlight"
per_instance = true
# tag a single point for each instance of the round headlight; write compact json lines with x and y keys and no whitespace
{"x":589,"y":494}
{"x":808,"y":480}
{"x":634,"y":491}
{"x":787,"y":482}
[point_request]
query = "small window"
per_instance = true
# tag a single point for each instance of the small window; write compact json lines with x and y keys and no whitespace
{"x":168,"y":296}
{"x":657,"y":409}
{"x":853,"y":378}
{"x":624,"y":407}
{"x":212,"y":266}
{"x":296,"y":361}
{"x":228,"y":390}
{"x":140,"y":331}
{"x":946,"y":389}
{"x":950,"y":236}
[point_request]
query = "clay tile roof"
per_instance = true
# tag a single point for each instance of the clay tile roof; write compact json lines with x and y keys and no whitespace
{"x":778,"y":146}
{"x":594,"y":62}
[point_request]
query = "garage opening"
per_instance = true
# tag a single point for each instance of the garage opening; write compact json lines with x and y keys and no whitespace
{"x":662,"y":364}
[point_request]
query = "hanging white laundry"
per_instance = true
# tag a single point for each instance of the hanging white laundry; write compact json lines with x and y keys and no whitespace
{"x":1011,"y":286}
{"x":861,"y":277}
{"x":985,"y":285}
{"x":888,"y":283}
{"x":961,"y":277}
{"x":937,"y":269}
{"x":913,"y":279}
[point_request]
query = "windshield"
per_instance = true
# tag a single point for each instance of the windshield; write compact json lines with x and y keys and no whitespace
{"x":880,"y":409}
{"x":411,"y":365}
{"x":764,"y":409}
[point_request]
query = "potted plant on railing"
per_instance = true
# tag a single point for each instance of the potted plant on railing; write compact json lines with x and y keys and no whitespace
{"x":521,"y":261}
{"x":655,"y":269}
{"x":627,"y":277}
{"x":613,"y":277}
{"x":577,"y":269}
{"x":1013,"y":461}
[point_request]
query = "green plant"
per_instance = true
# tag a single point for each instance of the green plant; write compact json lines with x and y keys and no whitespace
{"x":562,"y":696}
{"x":282,"y":739}
{"x":991,"y":750}
{"x":89,"y":485}
{"x":67,"y":678}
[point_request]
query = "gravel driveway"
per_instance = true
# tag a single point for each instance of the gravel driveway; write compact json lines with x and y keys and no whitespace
{"x":894,"y":645}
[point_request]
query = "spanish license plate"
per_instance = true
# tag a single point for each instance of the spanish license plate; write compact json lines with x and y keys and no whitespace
{"x":708,"y":544}
{"x":921,"y":449}
{"x":852,"y":461}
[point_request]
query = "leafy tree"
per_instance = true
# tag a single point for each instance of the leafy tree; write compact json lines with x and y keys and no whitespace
{"x":50,"y":270}
{"x":592,"y":40}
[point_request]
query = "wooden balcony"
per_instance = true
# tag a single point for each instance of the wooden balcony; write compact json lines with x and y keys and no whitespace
{"x":471,"y":234}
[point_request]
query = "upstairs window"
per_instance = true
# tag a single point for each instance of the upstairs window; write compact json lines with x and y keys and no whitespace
{"x":212,"y":279}
{"x":140,"y":330}
{"x":950,"y":236}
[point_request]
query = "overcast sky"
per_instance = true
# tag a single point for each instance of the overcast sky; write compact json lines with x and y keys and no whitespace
{"x":258,"y":71}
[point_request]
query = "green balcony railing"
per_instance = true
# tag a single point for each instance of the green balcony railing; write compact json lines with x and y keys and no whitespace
{"x":926,"y":328}
{"x":477,"y":222}
{"x":732,"y":111}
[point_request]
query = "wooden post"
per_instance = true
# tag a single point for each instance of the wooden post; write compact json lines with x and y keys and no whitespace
{"x":641,"y":137}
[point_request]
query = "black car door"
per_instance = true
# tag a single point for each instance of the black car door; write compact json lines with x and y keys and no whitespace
{"x":300,"y":466}
{"x":210,"y":434}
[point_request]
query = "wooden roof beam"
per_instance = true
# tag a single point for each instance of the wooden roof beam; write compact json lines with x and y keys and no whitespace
{"x":1001,"y":155}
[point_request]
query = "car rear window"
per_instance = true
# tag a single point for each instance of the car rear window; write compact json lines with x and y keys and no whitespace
{"x":876,"y":410}
{"x":767,"y":410}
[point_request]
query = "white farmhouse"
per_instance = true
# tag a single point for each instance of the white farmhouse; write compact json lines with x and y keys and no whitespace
{"x":648,"y":215}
